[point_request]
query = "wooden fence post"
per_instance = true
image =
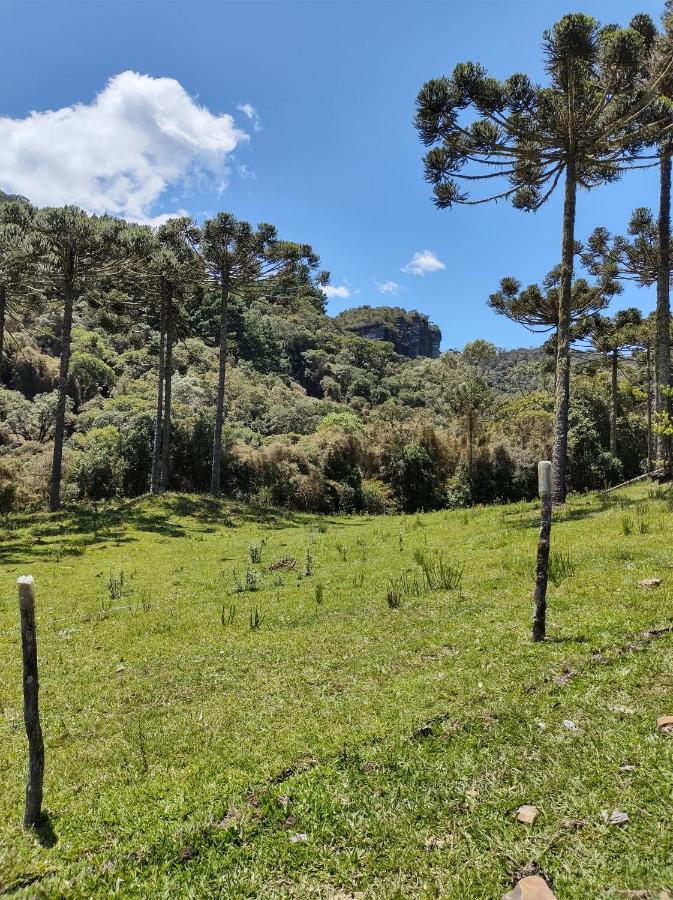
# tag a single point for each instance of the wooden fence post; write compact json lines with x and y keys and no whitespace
{"x":31,"y":713}
{"x":544,"y":483}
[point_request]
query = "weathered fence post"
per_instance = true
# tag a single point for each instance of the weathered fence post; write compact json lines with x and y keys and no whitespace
{"x":542,"y":569}
{"x":31,"y":712}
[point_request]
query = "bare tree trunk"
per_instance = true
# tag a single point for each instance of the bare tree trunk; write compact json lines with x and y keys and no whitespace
{"x":31,"y":710}
{"x":168,"y":384}
{"x":63,"y":376}
{"x":221,"y":380}
{"x":158,"y":422}
{"x":470,"y":441}
{"x":562,"y":400}
{"x":649,"y":407}
{"x":614,"y":360}
{"x":662,"y":349}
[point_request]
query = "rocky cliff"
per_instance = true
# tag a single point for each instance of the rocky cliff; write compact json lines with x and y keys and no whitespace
{"x":411,"y":333}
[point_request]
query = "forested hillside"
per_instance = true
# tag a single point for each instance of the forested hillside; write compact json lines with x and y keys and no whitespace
{"x":316,"y":416}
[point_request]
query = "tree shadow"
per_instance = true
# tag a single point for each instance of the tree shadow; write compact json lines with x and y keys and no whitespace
{"x":44,"y":831}
{"x":568,"y":639}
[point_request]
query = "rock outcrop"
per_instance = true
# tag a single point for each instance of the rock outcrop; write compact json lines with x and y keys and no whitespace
{"x":411,"y":333}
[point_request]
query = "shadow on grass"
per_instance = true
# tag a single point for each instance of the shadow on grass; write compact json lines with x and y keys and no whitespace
{"x":568,"y":639}
{"x":83,"y":525}
{"x":44,"y":831}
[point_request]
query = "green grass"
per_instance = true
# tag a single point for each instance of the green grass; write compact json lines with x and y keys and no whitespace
{"x":217,"y":726}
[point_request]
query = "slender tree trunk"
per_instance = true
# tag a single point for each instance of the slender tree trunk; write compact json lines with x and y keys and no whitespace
{"x":662,"y":349}
{"x":158,"y":423}
{"x":649,"y":407}
{"x":3,"y":312}
{"x":614,"y":360}
{"x":222,"y":373}
{"x":63,"y":376}
{"x":470,"y":440}
{"x":168,"y":384}
{"x":562,"y":400}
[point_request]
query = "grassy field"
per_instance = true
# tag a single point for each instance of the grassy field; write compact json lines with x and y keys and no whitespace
{"x":220,"y":721}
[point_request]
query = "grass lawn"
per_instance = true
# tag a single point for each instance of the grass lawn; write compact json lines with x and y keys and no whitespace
{"x":305,"y":739}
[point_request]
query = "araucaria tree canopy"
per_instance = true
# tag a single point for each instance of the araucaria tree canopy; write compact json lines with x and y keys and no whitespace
{"x":517,"y":140}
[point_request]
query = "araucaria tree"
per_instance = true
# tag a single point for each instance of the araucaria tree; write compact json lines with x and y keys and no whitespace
{"x":73,"y":250}
{"x":643,"y":257}
{"x":584,"y":127}
{"x":234,"y":256}
{"x":537,"y":307}
{"x":170,"y":271}
{"x":609,"y":337}
{"x":15,"y":219}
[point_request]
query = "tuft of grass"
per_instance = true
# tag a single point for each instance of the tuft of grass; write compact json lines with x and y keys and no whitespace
{"x":394,"y":595}
{"x":561,"y":566}
{"x":227,"y":616}
{"x":438,"y":573}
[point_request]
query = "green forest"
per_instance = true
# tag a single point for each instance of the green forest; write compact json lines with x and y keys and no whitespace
{"x":127,"y":360}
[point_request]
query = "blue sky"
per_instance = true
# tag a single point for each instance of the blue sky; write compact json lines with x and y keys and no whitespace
{"x":329,"y":153}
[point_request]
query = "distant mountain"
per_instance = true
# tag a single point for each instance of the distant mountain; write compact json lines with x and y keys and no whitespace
{"x":5,"y":198}
{"x":411,"y":333}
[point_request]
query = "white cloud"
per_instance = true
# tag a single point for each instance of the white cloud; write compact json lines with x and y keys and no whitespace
{"x":422,"y":262}
{"x":341,"y":290}
{"x":249,"y":110}
{"x":388,"y":287}
{"x":245,"y":172}
{"x":119,"y":153}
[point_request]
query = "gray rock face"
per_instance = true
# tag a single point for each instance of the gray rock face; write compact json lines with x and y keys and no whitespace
{"x":411,"y":333}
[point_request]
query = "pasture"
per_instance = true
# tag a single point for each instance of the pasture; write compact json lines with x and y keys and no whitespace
{"x":245,"y":702}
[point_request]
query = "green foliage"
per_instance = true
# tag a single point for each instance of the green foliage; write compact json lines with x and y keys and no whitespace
{"x":415,"y":480}
{"x":98,"y":469}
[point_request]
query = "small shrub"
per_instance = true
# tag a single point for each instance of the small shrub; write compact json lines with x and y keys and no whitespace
{"x":255,"y":552}
{"x":308,"y":562}
{"x":250,"y":582}
{"x":255,"y":619}
{"x":377,"y":497}
{"x":115,"y":585}
{"x":342,"y":550}
{"x":319,"y":593}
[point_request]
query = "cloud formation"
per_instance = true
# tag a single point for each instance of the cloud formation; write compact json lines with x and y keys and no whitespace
{"x":422,"y":262}
{"x":119,"y":153}
{"x":341,"y":290}
{"x":387,"y":287}
{"x":249,"y":110}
